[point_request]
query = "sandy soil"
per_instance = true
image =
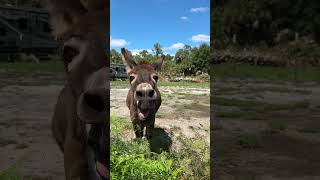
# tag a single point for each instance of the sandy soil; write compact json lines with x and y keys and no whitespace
{"x":291,"y":153}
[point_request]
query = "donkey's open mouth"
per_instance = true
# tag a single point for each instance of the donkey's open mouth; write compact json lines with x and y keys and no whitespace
{"x":96,"y":151}
{"x":143,"y":114}
{"x":145,"y":109}
{"x":97,"y":170}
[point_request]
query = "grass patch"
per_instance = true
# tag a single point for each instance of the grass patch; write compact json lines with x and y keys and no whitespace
{"x":7,"y":124}
{"x":259,"y":106}
{"x":277,"y":125}
{"x":234,"y":102}
{"x":216,"y":127}
{"x":280,"y":90}
{"x":186,"y":106}
{"x":249,"y":115}
{"x":249,"y":140}
{"x":125,"y":84}
{"x":308,"y":130}
{"x":268,"y":73}
{"x":5,"y":142}
{"x":133,"y":159}
{"x":22,"y":146}
{"x":26,"y":73}
{"x":12,"y":173}
{"x":185,"y":84}
{"x":31,"y":69}
{"x":188,"y":95}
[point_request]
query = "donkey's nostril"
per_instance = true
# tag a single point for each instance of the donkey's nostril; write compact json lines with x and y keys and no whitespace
{"x":151,"y":93}
{"x":139,"y":93}
{"x":94,"y":101}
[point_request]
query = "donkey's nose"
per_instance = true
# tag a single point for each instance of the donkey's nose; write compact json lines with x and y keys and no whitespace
{"x":140,"y":93}
{"x":150,"y":93}
{"x":95,"y":99}
{"x":145,"y":93}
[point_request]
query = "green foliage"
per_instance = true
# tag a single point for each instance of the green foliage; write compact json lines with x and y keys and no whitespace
{"x":250,"y":140}
{"x":157,"y":49}
{"x":200,"y":58}
{"x":133,"y":159}
{"x":187,"y":61}
{"x":261,"y":20}
{"x":22,"y":73}
{"x":12,"y":173}
{"x":115,"y":57}
{"x":277,"y":125}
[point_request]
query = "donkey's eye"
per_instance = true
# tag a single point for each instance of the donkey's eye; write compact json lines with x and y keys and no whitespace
{"x":155,"y":78}
{"x":69,"y":53}
{"x":131,"y":78}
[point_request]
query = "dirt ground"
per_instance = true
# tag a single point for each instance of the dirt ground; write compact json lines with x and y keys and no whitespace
{"x":183,"y":110}
{"x":25,"y":133}
{"x":264,"y":130}
{"x":25,"y":119}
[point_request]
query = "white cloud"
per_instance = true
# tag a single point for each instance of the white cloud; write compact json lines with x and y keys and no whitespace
{"x":137,"y":51}
{"x":199,"y":10}
{"x":200,"y":38}
{"x":117,"y":42}
{"x":184,"y":18}
{"x":174,"y":46}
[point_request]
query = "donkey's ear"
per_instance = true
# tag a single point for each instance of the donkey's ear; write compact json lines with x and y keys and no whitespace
{"x":127,"y":60}
{"x":157,"y":65}
{"x":63,"y":14}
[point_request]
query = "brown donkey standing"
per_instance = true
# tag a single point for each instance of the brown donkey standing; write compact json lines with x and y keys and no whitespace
{"x":81,"y":116}
{"x":143,"y":99}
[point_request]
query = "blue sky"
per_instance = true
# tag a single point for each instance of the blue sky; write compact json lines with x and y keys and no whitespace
{"x":139,"y":24}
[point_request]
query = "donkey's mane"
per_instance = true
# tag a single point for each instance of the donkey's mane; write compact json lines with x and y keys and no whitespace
{"x":143,"y":64}
{"x":142,"y":61}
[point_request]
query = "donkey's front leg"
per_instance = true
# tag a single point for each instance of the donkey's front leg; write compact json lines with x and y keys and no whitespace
{"x":138,"y":129}
{"x":149,"y":128}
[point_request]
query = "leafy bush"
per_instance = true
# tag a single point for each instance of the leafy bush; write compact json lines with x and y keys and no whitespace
{"x":133,"y":159}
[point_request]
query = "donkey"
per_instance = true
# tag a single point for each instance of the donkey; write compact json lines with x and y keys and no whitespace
{"x":80,"y":123}
{"x":143,"y":99}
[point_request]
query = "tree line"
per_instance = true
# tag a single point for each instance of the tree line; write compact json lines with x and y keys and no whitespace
{"x":186,"y":61}
{"x":250,"y":22}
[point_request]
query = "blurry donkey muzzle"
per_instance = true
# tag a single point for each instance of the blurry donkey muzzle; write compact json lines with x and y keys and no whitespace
{"x":92,"y":105}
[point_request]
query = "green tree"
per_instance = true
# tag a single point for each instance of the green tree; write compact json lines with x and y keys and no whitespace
{"x":157,"y":49}
{"x":115,"y":57}
{"x":144,"y":54}
{"x":200,"y":58}
{"x":183,"y":54}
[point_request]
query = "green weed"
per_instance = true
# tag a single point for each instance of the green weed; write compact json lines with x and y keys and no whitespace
{"x":134,"y":159}
{"x":12,"y":173}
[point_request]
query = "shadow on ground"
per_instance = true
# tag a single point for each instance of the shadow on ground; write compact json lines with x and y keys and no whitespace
{"x":161,"y":141}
